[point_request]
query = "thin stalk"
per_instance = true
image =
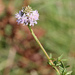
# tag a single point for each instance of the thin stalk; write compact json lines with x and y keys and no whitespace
{"x":43,"y":50}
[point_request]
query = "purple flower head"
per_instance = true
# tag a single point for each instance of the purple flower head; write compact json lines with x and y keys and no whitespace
{"x":27,"y":16}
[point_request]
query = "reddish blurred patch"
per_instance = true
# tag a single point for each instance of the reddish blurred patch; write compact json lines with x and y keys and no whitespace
{"x":2,"y":7}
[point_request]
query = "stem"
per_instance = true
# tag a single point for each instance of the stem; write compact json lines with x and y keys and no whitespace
{"x":43,"y":50}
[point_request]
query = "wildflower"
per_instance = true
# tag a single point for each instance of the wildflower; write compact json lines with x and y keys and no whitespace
{"x":27,"y":16}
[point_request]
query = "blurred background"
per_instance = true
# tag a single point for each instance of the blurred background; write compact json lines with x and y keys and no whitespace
{"x":19,"y":52}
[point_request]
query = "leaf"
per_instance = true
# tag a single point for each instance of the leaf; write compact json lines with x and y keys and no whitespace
{"x":50,"y":56}
{"x":58,"y":64}
{"x":64,"y":60}
{"x":62,"y":65}
{"x":61,"y":69}
{"x":55,"y":62}
{"x":59,"y":58}
{"x":64,"y":71}
{"x":67,"y":66}
{"x":50,"y":64}
{"x":68,"y":72}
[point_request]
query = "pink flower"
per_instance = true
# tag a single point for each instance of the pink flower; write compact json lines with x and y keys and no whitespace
{"x":27,"y":18}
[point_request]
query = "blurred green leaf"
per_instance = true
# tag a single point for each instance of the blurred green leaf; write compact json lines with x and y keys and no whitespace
{"x":50,"y":56}
{"x":59,"y":58}
{"x":67,"y":66}
{"x":68,"y":73}
{"x":62,"y":65}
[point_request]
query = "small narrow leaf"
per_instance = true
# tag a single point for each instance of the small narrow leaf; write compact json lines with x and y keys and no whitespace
{"x":67,"y":66}
{"x":64,"y":60}
{"x":55,"y":62}
{"x":59,"y":58}
{"x":58,"y":64}
{"x":50,"y":63}
{"x":68,"y":73}
{"x":62,"y":65}
{"x":50,"y":55}
{"x":61,"y":69}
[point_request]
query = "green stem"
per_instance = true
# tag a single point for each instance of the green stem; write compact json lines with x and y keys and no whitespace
{"x":43,"y":49}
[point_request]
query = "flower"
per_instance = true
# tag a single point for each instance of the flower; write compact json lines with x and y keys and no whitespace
{"x":27,"y":16}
